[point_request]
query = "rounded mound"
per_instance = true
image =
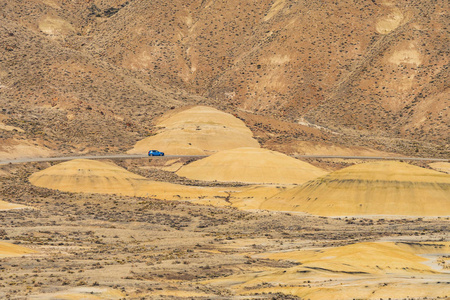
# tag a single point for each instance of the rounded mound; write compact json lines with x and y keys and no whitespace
{"x":90,"y":176}
{"x":7,"y":205}
{"x":380,"y":188}
{"x":81,"y":175}
{"x":197,"y":131}
{"x":251,"y":165}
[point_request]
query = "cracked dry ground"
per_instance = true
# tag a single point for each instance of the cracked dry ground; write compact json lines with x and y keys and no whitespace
{"x":142,"y":246}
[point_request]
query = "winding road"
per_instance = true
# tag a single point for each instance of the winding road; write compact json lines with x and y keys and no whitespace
{"x":131,"y":156}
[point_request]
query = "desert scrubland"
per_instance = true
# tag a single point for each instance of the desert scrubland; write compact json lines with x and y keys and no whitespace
{"x":250,"y":86}
{"x":241,"y":223}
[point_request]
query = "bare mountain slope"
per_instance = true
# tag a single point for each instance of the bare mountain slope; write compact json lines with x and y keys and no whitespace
{"x":367,"y":67}
{"x":60,"y":96}
{"x":97,"y":72}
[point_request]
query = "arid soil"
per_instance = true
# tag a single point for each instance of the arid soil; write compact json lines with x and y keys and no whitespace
{"x":251,"y":165}
{"x":113,"y":247}
{"x":356,"y":78}
{"x":376,"y":188}
{"x":198,"y":130}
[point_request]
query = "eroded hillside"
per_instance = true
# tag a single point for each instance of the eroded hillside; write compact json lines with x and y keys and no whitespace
{"x":368,"y":66}
{"x":94,"y":74}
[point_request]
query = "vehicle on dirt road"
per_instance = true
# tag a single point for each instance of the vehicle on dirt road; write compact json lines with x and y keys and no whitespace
{"x":155,"y":153}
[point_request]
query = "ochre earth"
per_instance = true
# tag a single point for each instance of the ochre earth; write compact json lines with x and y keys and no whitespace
{"x":251,"y":165}
{"x":371,"y":270}
{"x":379,"y":188}
{"x":91,"y":176}
{"x":197,"y":131}
{"x":9,"y":250}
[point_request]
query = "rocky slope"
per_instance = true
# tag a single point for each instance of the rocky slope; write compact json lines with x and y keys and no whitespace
{"x":95,"y":73}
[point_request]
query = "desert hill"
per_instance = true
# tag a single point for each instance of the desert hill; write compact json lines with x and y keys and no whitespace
{"x":380,"y":188}
{"x":87,"y":175}
{"x":251,"y":165}
{"x":91,"y":176}
{"x":90,"y":76}
{"x":198,"y":130}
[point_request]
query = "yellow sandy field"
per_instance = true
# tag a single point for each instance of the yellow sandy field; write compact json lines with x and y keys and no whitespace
{"x":379,"y":188}
{"x":370,"y":257}
{"x":90,"y":176}
{"x":9,"y":250}
{"x":363,"y":271}
{"x":251,"y":165}
{"x":197,"y":131}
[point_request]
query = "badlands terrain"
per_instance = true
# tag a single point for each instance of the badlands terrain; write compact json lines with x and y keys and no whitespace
{"x":233,"y":92}
{"x":243,"y":223}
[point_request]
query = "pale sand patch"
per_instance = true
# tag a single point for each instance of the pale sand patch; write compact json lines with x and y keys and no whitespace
{"x":251,"y":165}
{"x":406,"y":53}
{"x":10,"y":250}
{"x":7,"y":127}
{"x":441,"y":166}
{"x":378,"y":188}
{"x":10,"y":128}
{"x":55,"y":26}
{"x":390,"y":22}
{"x":7,"y":206}
{"x":12,"y":149}
{"x":53,"y":3}
{"x":197,"y":131}
{"x":410,"y":56}
{"x":280,"y":59}
{"x":276,"y":7}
